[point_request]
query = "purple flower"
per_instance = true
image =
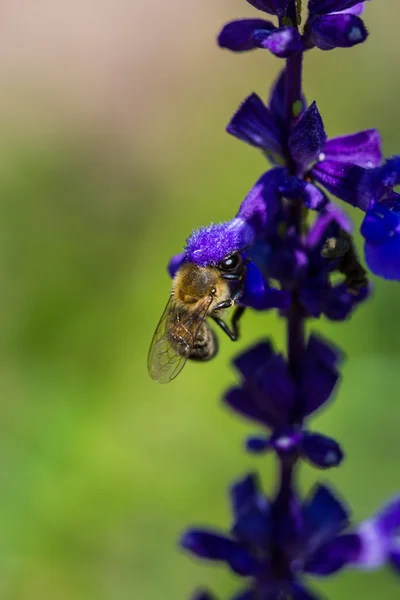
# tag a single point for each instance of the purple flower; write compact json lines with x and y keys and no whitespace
{"x":272,"y":542}
{"x":347,"y":166}
{"x":270,"y":396}
{"x":273,"y":7}
{"x":370,"y":546}
{"x":249,"y":34}
{"x":335,"y":24}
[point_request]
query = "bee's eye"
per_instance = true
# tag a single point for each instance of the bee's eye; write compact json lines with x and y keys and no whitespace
{"x":231,"y":263}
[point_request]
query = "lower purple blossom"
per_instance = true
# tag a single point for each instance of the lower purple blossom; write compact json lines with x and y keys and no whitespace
{"x":300,"y":538}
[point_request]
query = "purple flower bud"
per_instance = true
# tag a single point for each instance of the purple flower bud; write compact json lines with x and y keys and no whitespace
{"x":254,"y":123}
{"x":248,"y":34}
{"x":308,"y":137}
{"x":340,"y":30}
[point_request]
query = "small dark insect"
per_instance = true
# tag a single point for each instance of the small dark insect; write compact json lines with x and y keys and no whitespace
{"x":335,"y":247}
{"x":183,"y":332}
{"x":342,"y":248}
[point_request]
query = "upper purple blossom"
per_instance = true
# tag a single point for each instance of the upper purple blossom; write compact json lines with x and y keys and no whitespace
{"x":248,"y":34}
{"x":209,"y":245}
{"x":335,"y":24}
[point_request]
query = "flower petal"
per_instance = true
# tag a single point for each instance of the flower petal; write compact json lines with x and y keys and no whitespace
{"x":210,"y":545}
{"x":282,"y":42}
{"x":388,"y":518}
{"x":258,"y":294}
{"x":362,"y":149}
{"x":319,"y":374}
{"x":254,"y":359}
{"x":332,"y":556}
{"x":308,"y":137}
{"x":253,"y":525}
{"x":258,"y":444}
{"x":312,"y":197}
{"x":378,"y":183}
{"x":209,"y":245}
{"x":340,"y":30}
{"x":175,"y":263}
{"x":273,"y":7}
{"x":357,"y":9}
{"x":341,"y":301}
{"x":262,"y":204}
{"x":324,"y":7}
{"x":341,"y":179}
{"x":381,"y":229}
{"x":321,"y":451}
{"x":242,"y":402}
{"x":394,"y":560}
{"x":325,"y":515}
{"x":244,"y":492}
{"x":238,"y":36}
{"x":254,"y":124}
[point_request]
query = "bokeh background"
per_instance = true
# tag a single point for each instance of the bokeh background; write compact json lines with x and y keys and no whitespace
{"x":112,"y":149}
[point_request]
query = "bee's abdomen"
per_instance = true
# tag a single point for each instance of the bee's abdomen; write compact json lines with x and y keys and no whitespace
{"x":206,"y":344}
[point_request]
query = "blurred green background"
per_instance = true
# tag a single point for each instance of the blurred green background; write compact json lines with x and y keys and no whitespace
{"x":112,"y":150}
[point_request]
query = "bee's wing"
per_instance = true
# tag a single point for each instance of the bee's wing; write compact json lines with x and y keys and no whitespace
{"x":165,"y":360}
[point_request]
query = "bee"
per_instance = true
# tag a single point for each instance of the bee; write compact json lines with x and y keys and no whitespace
{"x":183,"y":332}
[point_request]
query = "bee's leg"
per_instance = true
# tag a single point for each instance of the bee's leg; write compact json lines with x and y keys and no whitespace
{"x":237,"y":315}
{"x":233,"y":333}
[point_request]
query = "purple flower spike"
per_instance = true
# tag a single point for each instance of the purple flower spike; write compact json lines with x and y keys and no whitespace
{"x":324,"y":7}
{"x":253,"y":123}
{"x":340,"y":30}
{"x":273,"y":7}
{"x":247,"y":34}
{"x":308,"y":137}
